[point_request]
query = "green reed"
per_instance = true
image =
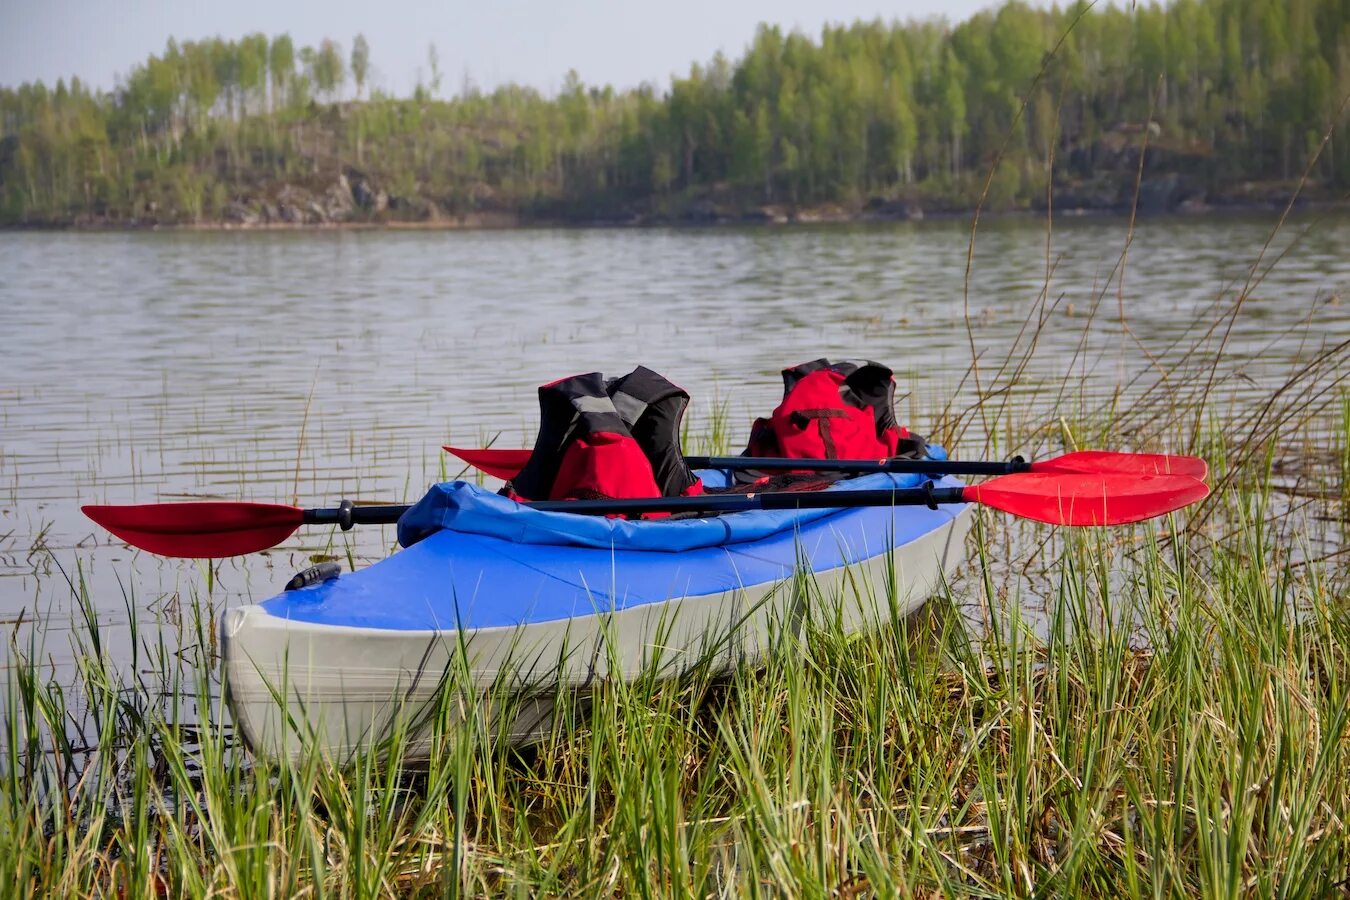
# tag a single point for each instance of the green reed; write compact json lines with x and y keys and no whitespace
{"x":1149,"y":712}
{"x":1343,"y":457}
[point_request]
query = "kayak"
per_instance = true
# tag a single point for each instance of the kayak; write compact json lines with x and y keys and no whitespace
{"x":508,"y":595}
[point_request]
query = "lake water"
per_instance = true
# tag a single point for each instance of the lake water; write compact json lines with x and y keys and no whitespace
{"x":311,"y":366}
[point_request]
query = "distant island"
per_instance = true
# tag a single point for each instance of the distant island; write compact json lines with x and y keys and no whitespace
{"x":1192,"y":105}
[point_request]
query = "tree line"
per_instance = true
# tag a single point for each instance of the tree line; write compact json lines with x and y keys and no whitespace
{"x":1223,"y":93}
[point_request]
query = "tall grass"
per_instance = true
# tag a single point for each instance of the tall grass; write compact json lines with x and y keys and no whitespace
{"x":1173,"y":721}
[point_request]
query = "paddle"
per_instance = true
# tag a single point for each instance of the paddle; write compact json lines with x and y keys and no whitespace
{"x":506,"y":464}
{"x":210,"y":529}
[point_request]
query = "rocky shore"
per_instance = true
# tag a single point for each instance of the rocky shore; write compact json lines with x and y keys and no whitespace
{"x":354,"y":199}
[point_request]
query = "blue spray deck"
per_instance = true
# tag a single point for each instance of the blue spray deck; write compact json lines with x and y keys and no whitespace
{"x":481,"y":561}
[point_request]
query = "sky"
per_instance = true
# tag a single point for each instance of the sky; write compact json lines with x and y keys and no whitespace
{"x":533,"y":42}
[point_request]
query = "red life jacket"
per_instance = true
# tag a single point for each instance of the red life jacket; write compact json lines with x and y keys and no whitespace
{"x":653,"y":408}
{"x":830,"y":410}
{"x":607,"y":440}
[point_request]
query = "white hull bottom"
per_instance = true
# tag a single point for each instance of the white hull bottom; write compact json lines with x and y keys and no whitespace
{"x":348,"y":689}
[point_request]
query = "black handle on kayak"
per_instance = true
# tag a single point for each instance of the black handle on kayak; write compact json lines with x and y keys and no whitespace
{"x":707,"y":503}
{"x":313,"y":575}
{"x":861,"y":466}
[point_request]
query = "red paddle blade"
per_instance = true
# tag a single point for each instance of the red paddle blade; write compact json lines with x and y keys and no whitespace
{"x":503,"y":464}
{"x":1110,"y":462}
{"x":200,"y":529}
{"x":1087,"y":499}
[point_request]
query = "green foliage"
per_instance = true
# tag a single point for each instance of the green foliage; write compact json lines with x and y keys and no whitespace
{"x":1237,"y":92}
{"x":326,"y":69}
{"x":360,"y":62}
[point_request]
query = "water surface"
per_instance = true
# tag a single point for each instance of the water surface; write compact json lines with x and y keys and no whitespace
{"x":311,"y":366}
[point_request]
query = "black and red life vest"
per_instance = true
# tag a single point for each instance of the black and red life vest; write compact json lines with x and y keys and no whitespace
{"x":620,"y":438}
{"x":842,"y":410}
{"x":616,"y":439}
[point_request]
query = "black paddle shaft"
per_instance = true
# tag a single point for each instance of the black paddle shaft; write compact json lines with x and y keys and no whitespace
{"x":861,"y":466}
{"x":719,"y":503}
{"x":347,"y":515}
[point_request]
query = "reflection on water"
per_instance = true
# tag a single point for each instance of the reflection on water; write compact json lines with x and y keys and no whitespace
{"x":313,"y":366}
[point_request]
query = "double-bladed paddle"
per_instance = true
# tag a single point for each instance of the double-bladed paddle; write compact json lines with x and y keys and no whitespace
{"x":216,"y":529}
{"x":506,"y":464}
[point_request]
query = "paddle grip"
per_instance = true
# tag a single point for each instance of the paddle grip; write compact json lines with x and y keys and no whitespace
{"x":356,"y":515}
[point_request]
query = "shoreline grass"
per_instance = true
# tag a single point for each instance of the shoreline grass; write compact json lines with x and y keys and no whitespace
{"x":1175,"y":720}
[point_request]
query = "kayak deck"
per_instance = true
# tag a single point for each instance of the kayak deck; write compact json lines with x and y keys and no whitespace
{"x":458,"y":580}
